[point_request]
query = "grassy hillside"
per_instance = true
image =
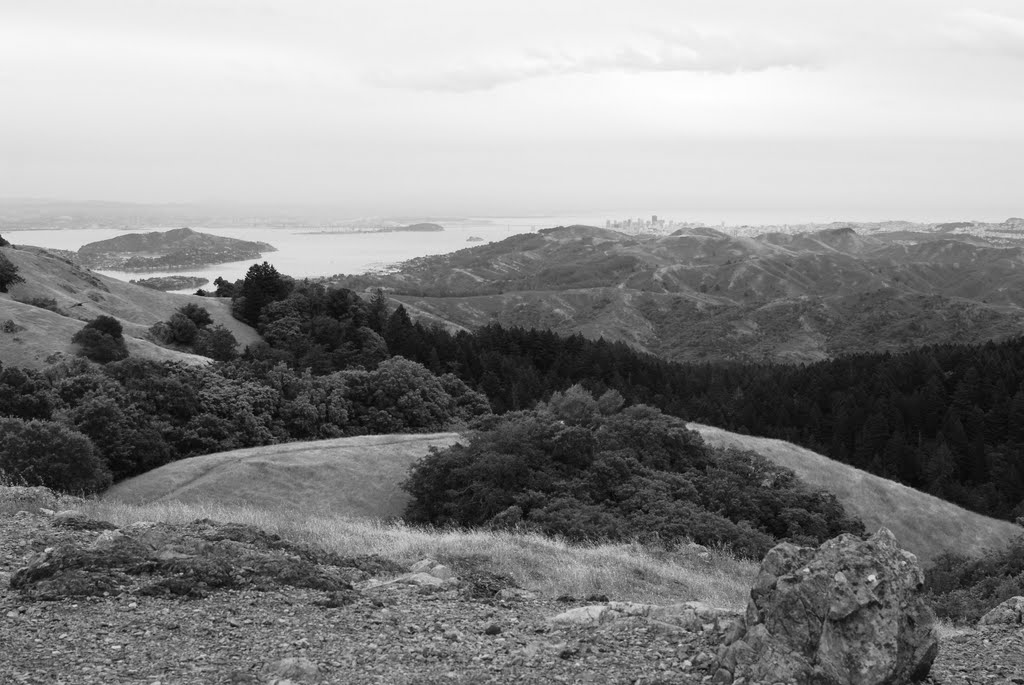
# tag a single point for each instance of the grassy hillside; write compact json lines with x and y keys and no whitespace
{"x":81,"y":295}
{"x":348,"y":476}
{"x":925,"y":525}
{"x":360,"y":476}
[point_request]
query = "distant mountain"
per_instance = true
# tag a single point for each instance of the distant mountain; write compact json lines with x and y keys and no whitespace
{"x":59,"y":296}
{"x":702,"y":294}
{"x":180,"y":248}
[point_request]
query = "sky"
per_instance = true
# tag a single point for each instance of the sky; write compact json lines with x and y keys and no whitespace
{"x":851,"y":107}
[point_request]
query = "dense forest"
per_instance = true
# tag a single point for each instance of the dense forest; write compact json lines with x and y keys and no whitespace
{"x":945,"y":419}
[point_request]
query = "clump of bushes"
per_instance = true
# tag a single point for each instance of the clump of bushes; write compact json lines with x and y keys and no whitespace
{"x":588,"y":469}
{"x":51,"y":454}
{"x":963,"y":589}
{"x":48,"y":303}
{"x":190,"y":326}
{"x":101,"y":340}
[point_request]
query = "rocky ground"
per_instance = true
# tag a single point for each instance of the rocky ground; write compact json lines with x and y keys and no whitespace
{"x":339,"y":620}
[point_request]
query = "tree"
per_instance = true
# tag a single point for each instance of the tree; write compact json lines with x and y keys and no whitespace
{"x":216,"y":342}
{"x":377,"y":311}
{"x":101,"y":340}
{"x":262,"y":285}
{"x":8,"y":274}
{"x":196,"y":314}
{"x":51,"y":454}
{"x":182,"y":329}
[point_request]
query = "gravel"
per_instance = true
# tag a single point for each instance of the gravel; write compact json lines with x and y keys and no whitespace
{"x":394,"y":633}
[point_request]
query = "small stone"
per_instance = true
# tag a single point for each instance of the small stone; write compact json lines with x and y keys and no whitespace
{"x":422,"y":566}
{"x":493,"y":629}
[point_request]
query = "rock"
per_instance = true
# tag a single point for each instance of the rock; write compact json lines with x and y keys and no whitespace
{"x":181,"y":560}
{"x":75,"y":520}
{"x":492,"y":629}
{"x":422,"y":566}
{"x":847,"y":613}
{"x":592,"y":615}
{"x":294,"y":668}
{"x":515,"y":593}
{"x":1009,"y":612}
{"x":691,"y":616}
{"x":441,"y":571}
{"x":420,"y":579}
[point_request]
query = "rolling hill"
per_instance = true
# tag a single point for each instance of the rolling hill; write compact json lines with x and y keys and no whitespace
{"x":350,"y":476}
{"x":79,"y":295}
{"x":701,"y":294}
{"x":360,"y":477}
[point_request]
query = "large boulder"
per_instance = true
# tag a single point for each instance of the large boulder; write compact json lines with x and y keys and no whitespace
{"x":847,"y":613}
{"x":1010,"y":612}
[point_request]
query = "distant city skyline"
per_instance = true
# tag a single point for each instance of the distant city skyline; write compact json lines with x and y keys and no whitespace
{"x":854,"y":110}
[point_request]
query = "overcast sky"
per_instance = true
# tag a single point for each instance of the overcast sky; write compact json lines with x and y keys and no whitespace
{"x":524,"y":106}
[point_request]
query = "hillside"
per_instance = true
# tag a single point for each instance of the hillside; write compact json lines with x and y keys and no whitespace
{"x":925,"y":525}
{"x":180,"y":248}
{"x":80,"y":295}
{"x":701,"y":294}
{"x":360,"y":477}
{"x":348,"y":476}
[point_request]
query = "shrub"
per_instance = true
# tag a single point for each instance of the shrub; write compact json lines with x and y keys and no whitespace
{"x":51,"y":454}
{"x":587,"y":469}
{"x":8,"y":274}
{"x":48,"y":303}
{"x":181,"y":329}
{"x":216,"y":342}
{"x":962,"y":589}
{"x":101,"y":340}
{"x":196,"y":314}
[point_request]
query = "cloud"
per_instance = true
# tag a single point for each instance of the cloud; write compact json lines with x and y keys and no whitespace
{"x":677,"y":51}
{"x":987,"y":33}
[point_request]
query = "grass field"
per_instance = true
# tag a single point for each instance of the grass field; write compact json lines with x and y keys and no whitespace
{"x":357,"y":476}
{"x":925,"y":525}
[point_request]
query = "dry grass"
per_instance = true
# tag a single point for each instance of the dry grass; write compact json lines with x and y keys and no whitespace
{"x":357,"y":476}
{"x":923,"y":524}
{"x":83,"y":295}
{"x":628,"y":572}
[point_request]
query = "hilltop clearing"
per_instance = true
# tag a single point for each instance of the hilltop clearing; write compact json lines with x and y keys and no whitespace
{"x":357,"y":476}
{"x":58,"y":296}
{"x":181,"y":248}
{"x":701,"y":294}
{"x":360,"y":476}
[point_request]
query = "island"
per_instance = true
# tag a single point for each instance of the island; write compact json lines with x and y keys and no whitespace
{"x":474,"y":239}
{"x":168,"y":283}
{"x":180,"y":248}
